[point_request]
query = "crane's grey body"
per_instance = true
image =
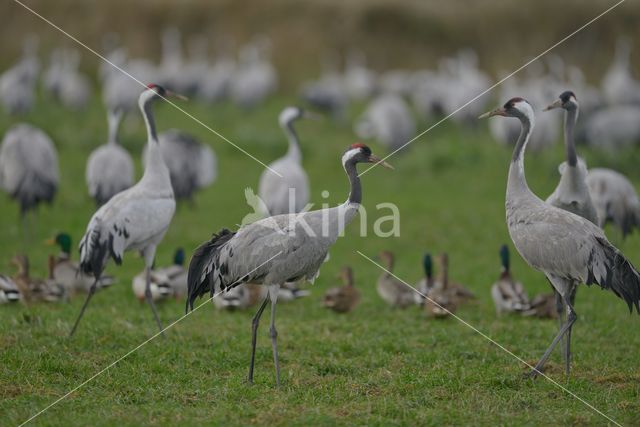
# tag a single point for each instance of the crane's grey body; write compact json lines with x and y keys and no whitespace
{"x":288,"y":193}
{"x":275,"y":250}
{"x":135,"y":219}
{"x":109,"y":167}
{"x":28,"y":166}
{"x":567,"y":248}
{"x":17,"y":84}
{"x":615,"y":199}
{"x":192,"y":164}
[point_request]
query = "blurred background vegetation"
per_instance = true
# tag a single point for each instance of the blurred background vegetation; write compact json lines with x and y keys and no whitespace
{"x":392,"y":33}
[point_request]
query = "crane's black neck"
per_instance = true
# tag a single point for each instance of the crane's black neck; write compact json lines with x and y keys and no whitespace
{"x":570,"y":118}
{"x":355,"y":192}
{"x":294,"y":145}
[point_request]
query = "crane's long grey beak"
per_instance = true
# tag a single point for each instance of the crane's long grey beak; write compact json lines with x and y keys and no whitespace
{"x":379,"y":161}
{"x":176,"y":95}
{"x":557,"y":104}
{"x":496,"y":112}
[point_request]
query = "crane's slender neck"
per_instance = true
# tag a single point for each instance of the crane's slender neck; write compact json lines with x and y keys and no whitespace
{"x":294,"y":146}
{"x":517,"y":180}
{"x":355,"y":192}
{"x":570,"y":118}
{"x":113,"y":121}
{"x":147,"y":113}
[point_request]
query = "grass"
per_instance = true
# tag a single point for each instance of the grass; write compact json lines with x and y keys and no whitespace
{"x":375,"y":366}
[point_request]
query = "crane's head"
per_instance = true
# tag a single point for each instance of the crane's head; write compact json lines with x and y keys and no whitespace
{"x":291,"y":114}
{"x":154,"y":91}
{"x":360,"y":153}
{"x":515,"y":107}
{"x":567,"y":101}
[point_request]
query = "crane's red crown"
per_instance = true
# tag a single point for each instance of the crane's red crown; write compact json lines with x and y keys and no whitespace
{"x":510,"y":103}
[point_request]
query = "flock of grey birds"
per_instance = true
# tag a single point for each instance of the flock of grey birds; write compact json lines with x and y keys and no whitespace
{"x":285,"y":245}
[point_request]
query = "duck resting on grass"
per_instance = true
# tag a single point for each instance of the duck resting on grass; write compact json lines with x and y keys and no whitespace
{"x":342,"y":299}
{"x":391,"y":290}
{"x":508,"y":294}
{"x":67,"y":272}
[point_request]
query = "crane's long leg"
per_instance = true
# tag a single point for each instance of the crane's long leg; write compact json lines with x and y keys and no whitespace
{"x":571,"y":318}
{"x":149,"y":298}
{"x":273,"y":295}
{"x":92,"y":291}
{"x":560,"y":310}
{"x":567,"y":352}
{"x":254,"y":335}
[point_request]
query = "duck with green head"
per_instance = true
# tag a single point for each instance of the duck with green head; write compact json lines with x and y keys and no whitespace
{"x":425,"y":284}
{"x":67,"y":272}
{"x":509,"y":296}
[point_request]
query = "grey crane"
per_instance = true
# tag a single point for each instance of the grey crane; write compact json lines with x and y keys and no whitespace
{"x":17,"y":84}
{"x":289,"y":192}
{"x":618,"y":84}
{"x":28,"y":167}
{"x":275,"y":250}
{"x":255,"y":77}
{"x":192,"y":164}
{"x":615,"y":199}
{"x":567,"y":248}
{"x":134,"y":219}
{"x":109,"y":167}
{"x":572,"y":193}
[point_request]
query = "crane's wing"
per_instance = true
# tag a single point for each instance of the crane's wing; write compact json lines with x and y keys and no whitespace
{"x":128,"y":221}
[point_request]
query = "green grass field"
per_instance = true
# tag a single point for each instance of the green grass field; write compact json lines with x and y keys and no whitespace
{"x":375,"y":366}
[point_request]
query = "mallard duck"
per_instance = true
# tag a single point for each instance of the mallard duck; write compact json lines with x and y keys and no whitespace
{"x":425,"y":285}
{"x":508,"y":295}
{"x":391,"y":290}
{"x":166,"y":282}
{"x":440,"y":302}
{"x":67,"y":272}
{"x":9,"y":291}
{"x":543,"y":306}
{"x":176,"y":274}
{"x":36,"y":289}
{"x":458,"y":291}
{"x":343,"y":299}
{"x":240,"y":297}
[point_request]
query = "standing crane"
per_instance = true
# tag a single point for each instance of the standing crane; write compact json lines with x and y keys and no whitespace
{"x":572,"y":192}
{"x":192,"y":164}
{"x":275,"y":250}
{"x":615,"y":199}
{"x":289,"y":192}
{"x":110,"y":167}
{"x":567,"y":248}
{"x":134,"y":219}
{"x":28,"y":168}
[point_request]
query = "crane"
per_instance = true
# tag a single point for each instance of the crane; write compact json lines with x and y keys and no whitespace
{"x":284,"y":185}
{"x":28,"y":168}
{"x":567,"y":248}
{"x":109,"y":167}
{"x":134,"y":219}
{"x":275,"y":250}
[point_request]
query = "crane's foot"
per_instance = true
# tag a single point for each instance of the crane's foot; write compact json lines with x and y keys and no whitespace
{"x":533,"y":374}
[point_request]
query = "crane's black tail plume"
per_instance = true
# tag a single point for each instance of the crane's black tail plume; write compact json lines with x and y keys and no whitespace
{"x":621,"y":277}
{"x":204,"y":267}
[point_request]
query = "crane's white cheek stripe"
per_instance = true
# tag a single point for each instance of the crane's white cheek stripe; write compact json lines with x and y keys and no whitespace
{"x":349,"y":154}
